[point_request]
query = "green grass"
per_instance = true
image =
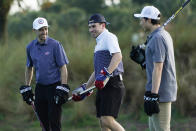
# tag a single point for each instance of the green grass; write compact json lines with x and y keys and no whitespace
{"x":75,"y":118}
{"x":15,"y":115}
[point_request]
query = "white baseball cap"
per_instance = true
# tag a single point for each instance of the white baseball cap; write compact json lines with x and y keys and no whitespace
{"x":39,"y":23}
{"x":149,"y":12}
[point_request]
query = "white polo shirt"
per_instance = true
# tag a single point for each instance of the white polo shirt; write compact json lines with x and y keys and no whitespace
{"x":107,"y":41}
{"x":107,"y":44}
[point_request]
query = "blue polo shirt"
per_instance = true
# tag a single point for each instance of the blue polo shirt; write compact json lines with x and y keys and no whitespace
{"x":46,"y":58}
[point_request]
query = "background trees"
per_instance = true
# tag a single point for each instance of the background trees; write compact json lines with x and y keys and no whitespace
{"x":4,"y":10}
{"x":68,"y":24}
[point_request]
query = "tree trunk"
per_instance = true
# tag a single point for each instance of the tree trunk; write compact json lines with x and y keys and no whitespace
{"x":4,"y":10}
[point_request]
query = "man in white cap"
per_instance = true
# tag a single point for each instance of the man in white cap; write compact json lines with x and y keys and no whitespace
{"x":47,"y":57}
{"x":161,"y":87}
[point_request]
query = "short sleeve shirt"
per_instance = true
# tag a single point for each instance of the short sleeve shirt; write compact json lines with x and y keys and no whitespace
{"x":107,"y":41}
{"x":106,"y":45}
{"x":160,"y":49}
{"x":46,"y":58}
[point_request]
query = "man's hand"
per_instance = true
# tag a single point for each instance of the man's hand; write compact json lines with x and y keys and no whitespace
{"x":151,"y":103}
{"x":99,"y":83}
{"x":61,"y":94}
{"x":76,"y":93}
{"x":137,"y":54}
{"x":27,"y":94}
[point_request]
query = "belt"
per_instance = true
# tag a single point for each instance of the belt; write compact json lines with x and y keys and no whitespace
{"x":53,"y":84}
{"x":119,"y":76}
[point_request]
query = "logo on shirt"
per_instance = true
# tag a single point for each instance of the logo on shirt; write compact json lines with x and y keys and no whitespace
{"x":47,"y":53}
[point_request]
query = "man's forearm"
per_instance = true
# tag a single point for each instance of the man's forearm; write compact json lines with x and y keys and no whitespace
{"x":156,"y":77}
{"x":116,"y":59}
{"x":28,"y":75}
{"x":64,"y":74}
{"x":91,"y":80}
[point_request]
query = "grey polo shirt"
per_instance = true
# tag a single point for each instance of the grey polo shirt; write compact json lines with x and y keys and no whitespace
{"x":160,"y":49}
{"x":46,"y":59}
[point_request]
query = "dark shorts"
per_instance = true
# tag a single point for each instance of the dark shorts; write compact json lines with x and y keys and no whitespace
{"x":109,"y":99}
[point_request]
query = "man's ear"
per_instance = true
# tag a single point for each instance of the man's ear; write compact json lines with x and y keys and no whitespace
{"x":103,"y":25}
{"x":149,"y":20}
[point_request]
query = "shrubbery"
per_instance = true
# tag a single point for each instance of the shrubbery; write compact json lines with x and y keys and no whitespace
{"x":79,"y":49}
{"x":70,"y":28}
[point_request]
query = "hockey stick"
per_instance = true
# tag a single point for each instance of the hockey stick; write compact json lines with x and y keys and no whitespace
{"x":176,"y":13}
{"x":89,"y":89}
{"x":136,"y":53}
{"x":41,"y":124}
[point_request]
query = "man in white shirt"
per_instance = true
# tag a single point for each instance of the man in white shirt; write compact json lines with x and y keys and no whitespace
{"x":107,"y":64}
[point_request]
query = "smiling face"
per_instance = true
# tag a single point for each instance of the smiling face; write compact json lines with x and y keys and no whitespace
{"x":42,"y":34}
{"x":96,"y":29}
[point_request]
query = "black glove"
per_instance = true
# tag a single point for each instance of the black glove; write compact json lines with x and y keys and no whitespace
{"x":61,"y":94}
{"x":151,"y":103}
{"x":137,"y":54}
{"x":27,"y":94}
